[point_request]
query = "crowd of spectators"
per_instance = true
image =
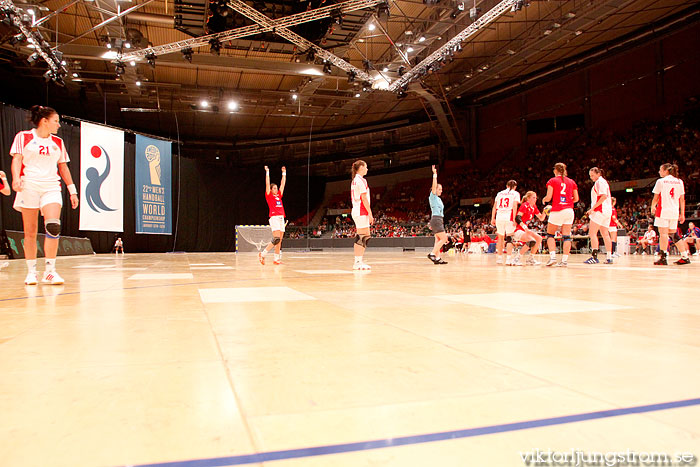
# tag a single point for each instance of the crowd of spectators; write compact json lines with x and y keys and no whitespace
{"x":628,"y":155}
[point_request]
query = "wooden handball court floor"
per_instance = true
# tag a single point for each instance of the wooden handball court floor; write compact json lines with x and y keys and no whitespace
{"x":212,"y":359}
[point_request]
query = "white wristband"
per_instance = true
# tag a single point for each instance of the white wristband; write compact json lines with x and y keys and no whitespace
{"x":434,"y":175}
{"x":72,"y":190}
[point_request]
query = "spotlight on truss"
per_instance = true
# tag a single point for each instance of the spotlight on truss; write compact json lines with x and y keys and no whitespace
{"x":215,"y":46}
{"x":187,"y":54}
{"x":351,"y":76}
{"x":151,"y":59}
{"x":327,"y":68}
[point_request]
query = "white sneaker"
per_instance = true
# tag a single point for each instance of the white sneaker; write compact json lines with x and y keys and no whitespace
{"x":531,"y":261}
{"x":366,"y":267}
{"x":551,"y":262}
{"x":516,"y":261}
{"x":30,"y":279}
{"x":499,"y":259}
{"x":696,"y":253}
{"x":562,"y":264}
{"x":361,"y":267}
{"x":615,"y":255}
{"x":51,"y":277}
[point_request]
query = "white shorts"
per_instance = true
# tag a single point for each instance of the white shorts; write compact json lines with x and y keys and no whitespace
{"x":518,"y":235}
{"x":612,"y":229}
{"x":601,"y":218}
{"x":361,"y":222}
{"x":38,"y":195}
{"x":565,"y":217}
{"x":505,"y":227}
{"x":277,"y":223}
{"x":670,"y":224}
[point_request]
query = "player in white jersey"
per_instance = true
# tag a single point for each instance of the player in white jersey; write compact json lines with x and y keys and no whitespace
{"x":361,"y":212}
{"x":5,"y":190}
{"x":599,"y":215}
{"x":503,"y":213}
{"x":39,"y":161}
{"x":668,"y":207}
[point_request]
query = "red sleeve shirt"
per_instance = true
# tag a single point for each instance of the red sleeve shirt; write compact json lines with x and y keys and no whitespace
{"x":274,"y":202}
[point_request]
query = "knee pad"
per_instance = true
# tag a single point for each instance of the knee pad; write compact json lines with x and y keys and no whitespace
{"x":365,"y":240}
{"x":549,"y":235}
{"x":509,"y":239}
{"x":276,"y":240}
{"x":53,"y":227}
{"x":566,"y":238}
{"x":531,"y":243}
{"x":358,"y":240}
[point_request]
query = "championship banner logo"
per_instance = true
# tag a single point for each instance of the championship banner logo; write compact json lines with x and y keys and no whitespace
{"x":101,"y":178}
{"x":153,"y":186}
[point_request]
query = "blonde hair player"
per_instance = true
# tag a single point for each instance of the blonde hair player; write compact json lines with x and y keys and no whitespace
{"x":503,"y":217}
{"x":563,"y":193}
{"x":361,"y":212}
{"x":39,"y":161}
{"x":668,"y":207}
{"x":530,"y":239}
{"x":437,"y":223}
{"x":599,"y":215}
{"x":273,"y":196}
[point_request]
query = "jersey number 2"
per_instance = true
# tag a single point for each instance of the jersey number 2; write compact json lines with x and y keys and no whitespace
{"x":43,"y":150}
{"x":563,"y":189}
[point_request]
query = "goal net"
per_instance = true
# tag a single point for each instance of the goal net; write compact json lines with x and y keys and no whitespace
{"x":252,"y":237}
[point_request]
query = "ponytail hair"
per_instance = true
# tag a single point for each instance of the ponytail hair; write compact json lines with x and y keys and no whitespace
{"x":671,"y":168}
{"x":613,"y":200}
{"x":356,"y":166}
{"x":512,"y":184}
{"x":560,"y":168}
{"x":37,"y":112}
{"x":597,"y":170}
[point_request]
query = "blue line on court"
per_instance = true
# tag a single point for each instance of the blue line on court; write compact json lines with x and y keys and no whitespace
{"x":419,"y":439}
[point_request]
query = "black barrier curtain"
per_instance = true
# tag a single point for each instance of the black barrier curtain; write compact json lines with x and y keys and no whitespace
{"x":213,"y":198}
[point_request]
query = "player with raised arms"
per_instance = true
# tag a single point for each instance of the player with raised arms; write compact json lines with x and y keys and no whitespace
{"x":273,"y":196}
{"x":530,"y":239}
{"x":599,"y":215}
{"x":39,"y":162}
{"x":503,"y":217}
{"x":361,"y":212}
{"x":563,"y":192}
{"x":437,"y":224}
{"x":668,"y":208}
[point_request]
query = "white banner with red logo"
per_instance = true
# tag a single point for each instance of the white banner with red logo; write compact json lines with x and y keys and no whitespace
{"x":101,"y":178}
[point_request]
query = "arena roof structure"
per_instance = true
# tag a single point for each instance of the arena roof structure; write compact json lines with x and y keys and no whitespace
{"x":265,"y":69}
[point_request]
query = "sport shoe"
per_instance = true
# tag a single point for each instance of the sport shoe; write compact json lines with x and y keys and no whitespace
{"x":516,"y":261}
{"x":261,"y":258}
{"x":431,"y":257}
{"x":615,"y":255}
{"x":682,"y":261}
{"x":592,"y":260}
{"x":661,"y":262}
{"x":531,"y":261}
{"x":30,"y":279}
{"x":562,"y":264}
{"x":696,"y":253}
{"x":277,"y":261}
{"x":361,"y":267}
{"x":551,"y":262}
{"x":608,"y":261}
{"x":51,"y":277}
{"x":509,"y":262}
{"x":440,"y":261}
{"x":499,"y":259}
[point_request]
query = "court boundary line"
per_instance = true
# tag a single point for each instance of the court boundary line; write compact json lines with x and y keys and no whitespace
{"x":419,"y":439}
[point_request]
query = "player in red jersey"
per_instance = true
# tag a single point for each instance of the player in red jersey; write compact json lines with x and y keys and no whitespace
{"x":563,"y":193}
{"x":668,"y":207}
{"x":361,"y":212}
{"x":614,"y":225}
{"x":4,"y":186}
{"x":530,"y":239}
{"x":273,"y":196}
{"x":39,"y":161}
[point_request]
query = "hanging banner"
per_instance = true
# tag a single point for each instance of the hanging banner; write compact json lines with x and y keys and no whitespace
{"x":153,"y":183}
{"x":101,"y":178}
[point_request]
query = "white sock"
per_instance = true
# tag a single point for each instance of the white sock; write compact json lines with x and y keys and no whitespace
{"x":264,"y":253}
{"x":608,"y":255}
{"x":277,"y":257}
{"x":553,"y":255}
{"x":564,"y":258}
{"x":684,"y":254}
{"x":508,"y":258}
{"x":358,"y":259}
{"x":50,"y":265}
{"x":31,"y":265}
